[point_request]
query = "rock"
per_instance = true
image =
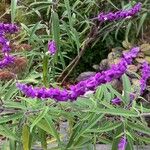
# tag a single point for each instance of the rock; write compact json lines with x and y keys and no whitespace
{"x":126,"y":45}
{"x":140,"y":55}
{"x":117,"y":85}
{"x":136,"y":85}
{"x":145,"y":48}
{"x":113,"y":61}
{"x":147,"y":58}
{"x":132,"y":69}
{"x":115,"y":54}
{"x":140,"y":60}
{"x":85,"y":75}
{"x":103,"y":65}
{"x":96,"y":67}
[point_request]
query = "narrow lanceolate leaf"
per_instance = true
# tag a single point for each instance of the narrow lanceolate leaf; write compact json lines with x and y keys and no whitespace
{"x":56,"y":32}
{"x":108,"y":127}
{"x":12,"y":117}
{"x":35,"y":27}
{"x":138,"y":127}
{"x":6,"y":132}
{"x":40,"y":116}
{"x":127,"y":31}
{"x":51,"y":126}
{"x":116,"y":112}
{"x":126,"y":87}
{"x":143,"y":18}
{"x":13,"y":10}
{"x":25,"y":137}
{"x":42,"y":135}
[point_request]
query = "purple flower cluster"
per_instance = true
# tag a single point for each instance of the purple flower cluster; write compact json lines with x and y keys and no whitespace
{"x":52,"y":47}
{"x":145,"y":76}
{"x":8,"y":59}
{"x":116,"y":71}
{"x":5,"y":44}
{"x":121,"y":14}
{"x":122,"y":144}
{"x":6,"y":28}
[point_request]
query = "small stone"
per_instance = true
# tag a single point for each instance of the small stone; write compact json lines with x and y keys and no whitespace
{"x":126,"y":45}
{"x":96,"y":67}
{"x":132,"y":69}
{"x":114,"y":61}
{"x":147,"y":58}
{"x":117,"y":85}
{"x":140,"y":60}
{"x":115,"y":54}
{"x":145,"y":48}
{"x":140,"y":55}
{"x":136,"y":85}
{"x":85,"y":75}
{"x":103,"y":65}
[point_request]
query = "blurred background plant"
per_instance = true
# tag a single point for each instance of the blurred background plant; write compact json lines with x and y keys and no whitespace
{"x":90,"y":120}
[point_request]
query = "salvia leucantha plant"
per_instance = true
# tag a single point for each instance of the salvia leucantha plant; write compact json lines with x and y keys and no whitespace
{"x":104,"y":117}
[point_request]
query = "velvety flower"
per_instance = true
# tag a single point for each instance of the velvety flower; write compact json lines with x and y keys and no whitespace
{"x":121,"y":14}
{"x":116,"y":101}
{"x":122,"y":144}
{"x":52,"y":47}
{"x":116,"y":71}
{"x":145,"y":76}
{"x":5,"y":44}
{"x":6,"y":61}
{"x":8,"y":28}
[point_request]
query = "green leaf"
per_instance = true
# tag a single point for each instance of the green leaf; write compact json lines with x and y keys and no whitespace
{"x":47,"y":125}
{"x":25,"y":137}
{"x":13,"y":10}
{"x":116,"y":112}
{"x":11,"y":104}
{"x":142,"y":19}
{"x":126,"y":88}
{"x":56,"y":33}
{"x":113,"y":91}
{"x":118,"y":131}
{"x":6,"y":132}
{"x":90,"y":124}
{"x":52,"y":127}
{"x":34,"y":28}
{"x":127,"y":31}
{"x":11,"y":118}
{"x":108,"y":127}
{"x":11,"y":92}
{"x":43,"y":136}
{"x":139,"y":127}
{"x":45,"y":70}
{"x":40,"y":116}
{"x":67,"y":5}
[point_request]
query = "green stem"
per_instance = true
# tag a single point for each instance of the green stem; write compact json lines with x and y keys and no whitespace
{"x":45,"y":70}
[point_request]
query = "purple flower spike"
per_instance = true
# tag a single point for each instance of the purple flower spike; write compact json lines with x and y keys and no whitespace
{"x":145,"y":76}
{"x":6,"y":61}
{"x":52,"y":47}
{"x":122,"y":144}
{"x":115,"y":72}
{"x":121,"y":14}
{"x":8,"y":28}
